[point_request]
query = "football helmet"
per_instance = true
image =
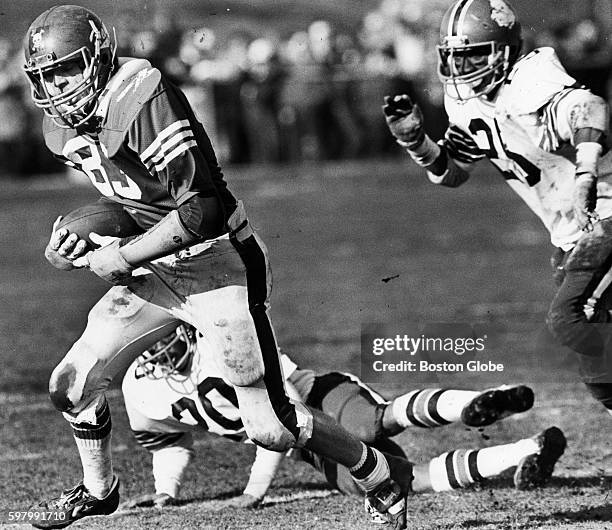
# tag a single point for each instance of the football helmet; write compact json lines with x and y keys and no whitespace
{"x":171,"y":355}
{"x":65,"y":35}
{"x":480,"y":40}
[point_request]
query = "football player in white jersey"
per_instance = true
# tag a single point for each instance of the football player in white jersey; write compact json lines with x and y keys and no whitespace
{"x":175,"y":389}
{"x":517,"y":111}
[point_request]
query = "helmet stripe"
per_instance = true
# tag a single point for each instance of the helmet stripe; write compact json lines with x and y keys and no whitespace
{"x":464,"y":11}
{"x":453,"y":21}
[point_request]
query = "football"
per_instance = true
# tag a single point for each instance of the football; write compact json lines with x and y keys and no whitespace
{"x":103,"y":217}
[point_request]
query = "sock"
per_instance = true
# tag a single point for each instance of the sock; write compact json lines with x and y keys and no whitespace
{"x":460,"y":468}
{"x":93,"y":441}
{"x":371,"y":470}
{"x":431,"y":407}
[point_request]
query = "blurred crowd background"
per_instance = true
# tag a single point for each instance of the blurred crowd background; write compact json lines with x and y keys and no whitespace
{"x":307,"y":95}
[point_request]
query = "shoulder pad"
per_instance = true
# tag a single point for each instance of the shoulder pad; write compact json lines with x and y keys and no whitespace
{"x":129,"y":89}
{"x":534,"y":81}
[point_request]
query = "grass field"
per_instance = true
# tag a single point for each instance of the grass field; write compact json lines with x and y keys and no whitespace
{"x":350,"y":244}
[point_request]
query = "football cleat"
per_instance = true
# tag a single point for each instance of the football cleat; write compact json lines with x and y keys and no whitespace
{"x":75,"y":504}
{"x":535,"y":469}
{"x":386,"y":505}
{"x":495,"y":404}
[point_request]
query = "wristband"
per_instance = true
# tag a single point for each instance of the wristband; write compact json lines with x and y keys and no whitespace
{"x":424,"y":154}
{"x":587,"y":156}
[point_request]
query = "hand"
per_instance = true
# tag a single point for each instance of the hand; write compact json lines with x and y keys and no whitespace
{"x":405,"y":120}
{"x":148,"y":500}
{"x":107,"y":262}
{"x":241,"y":501}
{"x":585,"y":200}
{"x":64,"y":247}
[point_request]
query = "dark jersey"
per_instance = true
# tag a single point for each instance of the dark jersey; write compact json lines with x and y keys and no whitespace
{"x":150,"y":153}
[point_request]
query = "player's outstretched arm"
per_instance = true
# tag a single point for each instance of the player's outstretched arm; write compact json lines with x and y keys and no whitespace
{"x":405,"y":121}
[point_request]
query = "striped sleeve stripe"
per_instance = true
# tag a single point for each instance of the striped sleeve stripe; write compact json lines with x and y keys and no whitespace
{"x":550,"y":140}
{"x":166,"y":158}
{"x":168,"y":131}
{"x":155,"y":440}
{"x":170,"y":143}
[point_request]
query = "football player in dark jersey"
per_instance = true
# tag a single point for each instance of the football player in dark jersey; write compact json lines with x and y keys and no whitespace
{"x":196,"y":259}
{"x":518,"y":112}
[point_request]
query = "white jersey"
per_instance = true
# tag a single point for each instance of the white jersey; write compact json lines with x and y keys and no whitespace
{"x":520,"y":130}
{"x":201,"y":399}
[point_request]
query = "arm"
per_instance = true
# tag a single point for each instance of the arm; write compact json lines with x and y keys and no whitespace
{"x":583,"y":119}
{"x":163,"y":137}
{"x":590,"y":127}
{"x":263,"y":470}
{"x":170,"y":462}
{"x":405,"y":121}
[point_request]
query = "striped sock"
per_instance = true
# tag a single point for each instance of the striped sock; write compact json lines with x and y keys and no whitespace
{"x":94,"y":444}
{"x":371,"y":470}
{"x":431,"y":407}
{"x":460,"y":468}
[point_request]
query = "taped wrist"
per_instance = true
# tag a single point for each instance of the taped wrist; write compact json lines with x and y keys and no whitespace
{"x":166,"y":237}
{"x":587,"y":157}
{"x":425,"y":153}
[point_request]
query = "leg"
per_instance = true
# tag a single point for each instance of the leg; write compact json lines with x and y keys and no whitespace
{"x":534,"y":459}
{"x":578,"y":316}
{"x":120,"y":327}
{"x":434,"y":407}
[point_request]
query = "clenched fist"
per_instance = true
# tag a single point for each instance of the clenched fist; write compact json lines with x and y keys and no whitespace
{"x":405,"y":120}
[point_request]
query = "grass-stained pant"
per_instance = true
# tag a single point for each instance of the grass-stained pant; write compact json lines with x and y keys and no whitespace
{"x":221,"y":287}
{"x":579,"y":315}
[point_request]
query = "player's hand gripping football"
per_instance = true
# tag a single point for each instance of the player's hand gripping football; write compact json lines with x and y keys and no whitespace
{"x":585,"y":200}
{"x":64,"y":247}
{"x":106,"y":261}
{"x":405,"y":120}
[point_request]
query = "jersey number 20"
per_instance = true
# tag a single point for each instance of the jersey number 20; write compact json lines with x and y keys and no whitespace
{"x":518,"y":167}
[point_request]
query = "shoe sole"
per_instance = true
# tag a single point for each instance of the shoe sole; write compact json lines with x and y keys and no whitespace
{"x":534,"y":470}
{"x":496,"y":404}
{"x":111,"y":505}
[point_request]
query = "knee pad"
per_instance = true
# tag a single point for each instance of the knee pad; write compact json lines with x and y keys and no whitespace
{"x":277,"y":428}
{"x":61,"y":381}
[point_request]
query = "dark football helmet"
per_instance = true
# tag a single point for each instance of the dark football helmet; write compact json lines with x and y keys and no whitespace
{"x":63,"y":35}
{"x":480,"y":40}
{"x":171,"y":355}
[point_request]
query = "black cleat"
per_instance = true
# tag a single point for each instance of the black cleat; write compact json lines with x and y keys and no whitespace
{"x":535,"y":469}
{"x":75,"y":504}
{"x":496,"y":404}
{"x":386,"y":505}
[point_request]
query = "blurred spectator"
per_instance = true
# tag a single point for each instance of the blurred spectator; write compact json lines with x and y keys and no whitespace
{"x":15,"y":149}
{"x":585,"y":52}
{"x":260,"y":96}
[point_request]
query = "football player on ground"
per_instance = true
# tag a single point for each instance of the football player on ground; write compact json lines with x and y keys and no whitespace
{"x":175,"y":390}
{"x":135,"y":136}
{"x":516,"y":111}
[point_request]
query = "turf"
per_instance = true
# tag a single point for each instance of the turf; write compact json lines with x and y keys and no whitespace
{"x":351,"y":244}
